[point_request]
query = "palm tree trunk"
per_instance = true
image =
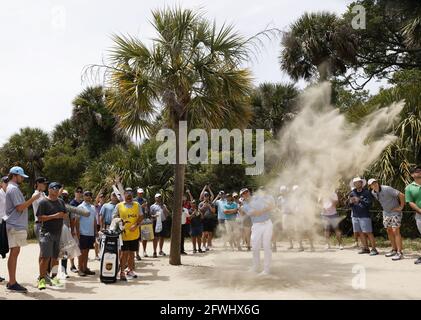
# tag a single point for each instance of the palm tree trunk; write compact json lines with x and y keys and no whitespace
{"x":180,"y":169}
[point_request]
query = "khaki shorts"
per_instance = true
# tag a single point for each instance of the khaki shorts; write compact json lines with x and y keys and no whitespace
{"x":16,"y":238}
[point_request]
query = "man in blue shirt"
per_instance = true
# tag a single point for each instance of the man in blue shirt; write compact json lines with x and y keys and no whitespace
{"x":360,"y":200}
{"x":230,"y":211}
{"x":259,"y":208}
{"x":87,"y":233}
{"x":140,"y":198}
{"x":106,"y":212}
{"x":16,"y":223}
{"x":220,"y":202}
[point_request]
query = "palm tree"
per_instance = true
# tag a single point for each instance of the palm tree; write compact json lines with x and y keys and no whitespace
{"x":66,"y":130}
{"x":192,"y":72}
{"x":317,"y":44}
{"x":412,"y":27}
{"x":95,"y":125}
{"x":135,"y":165}
{"x":26,"y":149}
{"x":273,"y":104}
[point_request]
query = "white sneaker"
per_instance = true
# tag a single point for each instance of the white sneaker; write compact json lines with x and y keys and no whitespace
{"x":327,"y":247}
{"x":131,"y":274}
{"x":340,"y":247}
{"x":264,"y":274}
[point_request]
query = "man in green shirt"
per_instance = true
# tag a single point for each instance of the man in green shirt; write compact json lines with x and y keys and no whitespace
{"x":413,"y":197}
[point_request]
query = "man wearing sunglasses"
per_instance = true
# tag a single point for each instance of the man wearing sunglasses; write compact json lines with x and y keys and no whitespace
{"x":87,"y":233}
{"x":131,"y":214}
{"x":50,"y":213}
{"x":159,"y":208}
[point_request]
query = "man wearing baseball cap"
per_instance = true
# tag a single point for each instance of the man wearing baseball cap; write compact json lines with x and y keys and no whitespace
{"x":360,"y":200}
{"x":140,"y":193}
{"x":210,"y":220}
{"x":219,"y":202}
{"x":392,"y":202}
{"x":141,"y":200}
{"x":17,"y":223}
{"x":51,"y":212}
{"x":41,"y":184}
{"x":87,"y":233}
{"x":159,"y":208}
{"x":130,"y":213}
{"x":413,"y":197}
{"x":259,"y":208}
{"x":107,"y":210}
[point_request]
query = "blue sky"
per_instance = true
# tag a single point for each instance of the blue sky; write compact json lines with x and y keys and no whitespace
{"x":46,"y":44}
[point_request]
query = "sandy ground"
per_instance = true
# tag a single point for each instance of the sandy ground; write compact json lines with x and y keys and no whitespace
{"x":222,"y":274}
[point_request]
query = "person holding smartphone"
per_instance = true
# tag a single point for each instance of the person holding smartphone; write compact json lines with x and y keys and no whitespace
{"x":209,"y":222}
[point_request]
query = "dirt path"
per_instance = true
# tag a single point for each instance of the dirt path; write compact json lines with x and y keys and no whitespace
{"x":222,"y":274}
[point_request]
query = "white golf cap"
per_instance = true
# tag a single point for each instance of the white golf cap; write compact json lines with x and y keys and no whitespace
{"x":282,"y":188}
{"x":140,"y":190}
{"x":243,"y":190}
{"x":295,"y":187}
{"x":370,"y":181}
{"x":157,"y":195}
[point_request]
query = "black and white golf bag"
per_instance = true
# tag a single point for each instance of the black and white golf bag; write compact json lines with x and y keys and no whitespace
{"x":110,"y":249}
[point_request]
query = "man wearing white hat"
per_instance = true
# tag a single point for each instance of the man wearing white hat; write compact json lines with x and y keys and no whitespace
{"x":360,"y":200}
{"x":141,"y":200}
{"x":392,"y":202}
{"x":159,"y":211}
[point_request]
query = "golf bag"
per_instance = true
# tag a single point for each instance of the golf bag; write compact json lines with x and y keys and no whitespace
{"x":110,"y":249}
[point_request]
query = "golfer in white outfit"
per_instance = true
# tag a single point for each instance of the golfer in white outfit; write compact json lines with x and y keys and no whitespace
{"x":258,"y":208}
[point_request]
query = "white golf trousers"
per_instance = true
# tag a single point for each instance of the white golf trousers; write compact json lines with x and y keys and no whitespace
{"x":262,"y":232}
